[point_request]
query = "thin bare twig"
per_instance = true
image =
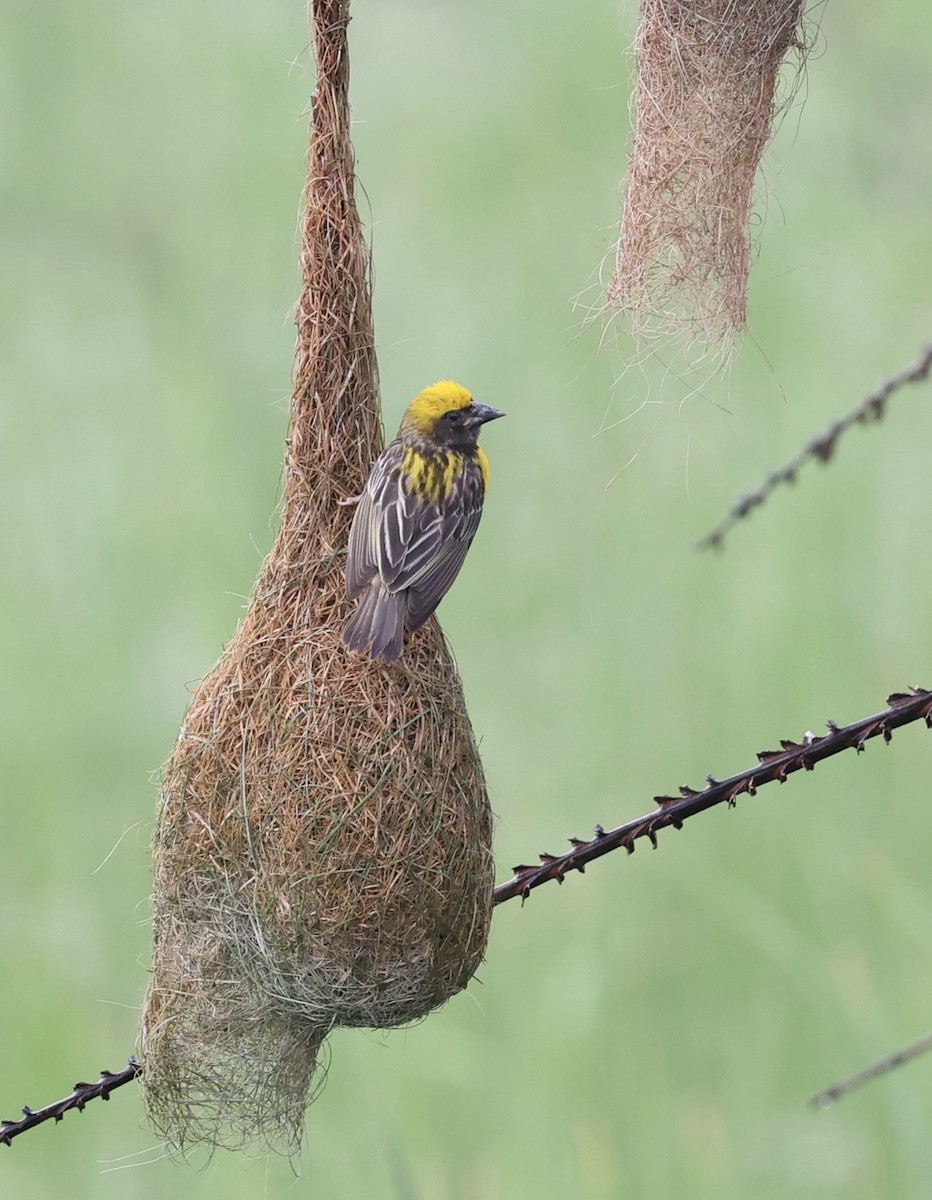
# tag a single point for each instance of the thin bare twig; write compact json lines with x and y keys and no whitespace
{"x":773,"y":765}
{"x":827,"y":1098}
{"x":83,"y":1092}
{"x":821,"y":448}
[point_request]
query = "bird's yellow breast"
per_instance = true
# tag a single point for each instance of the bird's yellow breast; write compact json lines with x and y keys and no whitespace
{"x":432,"y":475}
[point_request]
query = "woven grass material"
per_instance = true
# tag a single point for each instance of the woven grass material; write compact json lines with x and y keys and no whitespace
{"x":704,"y":108}
{"x":323,"y":845}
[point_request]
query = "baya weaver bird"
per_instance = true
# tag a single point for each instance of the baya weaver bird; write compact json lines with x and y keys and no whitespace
{"x":416,"y":518}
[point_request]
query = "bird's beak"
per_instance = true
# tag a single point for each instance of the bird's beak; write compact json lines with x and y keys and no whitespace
{"x":482,"y":413}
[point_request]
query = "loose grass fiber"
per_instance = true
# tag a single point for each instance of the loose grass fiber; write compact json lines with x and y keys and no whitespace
{"x":704,"y":108}
{"x":322,"y":852}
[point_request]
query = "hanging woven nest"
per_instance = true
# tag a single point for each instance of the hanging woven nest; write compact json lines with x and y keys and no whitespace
{"x":322,"y":852}
{"x":705,"y":104}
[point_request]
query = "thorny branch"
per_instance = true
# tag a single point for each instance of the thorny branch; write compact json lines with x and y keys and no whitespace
{"x":820,"y":448}
{"x":773,"y":765}
{"x":83,"y":1092}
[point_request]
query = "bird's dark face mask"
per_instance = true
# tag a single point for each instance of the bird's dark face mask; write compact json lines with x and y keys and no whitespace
{"x":459,"y":428}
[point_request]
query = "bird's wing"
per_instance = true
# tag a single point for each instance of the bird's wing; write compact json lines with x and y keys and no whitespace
{"x":411,"y":537}
{"x":426,"y":594}
{"x":366,"y":535}
{"x":432,"y":568}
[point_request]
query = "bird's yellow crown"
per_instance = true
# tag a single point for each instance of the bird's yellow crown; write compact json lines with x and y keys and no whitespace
{"x":441,"y":397}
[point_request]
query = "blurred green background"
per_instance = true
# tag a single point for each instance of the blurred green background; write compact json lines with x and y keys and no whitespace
{"x":654,"y":1028}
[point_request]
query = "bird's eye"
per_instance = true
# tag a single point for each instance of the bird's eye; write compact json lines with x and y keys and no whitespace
{"x":455,"y":416}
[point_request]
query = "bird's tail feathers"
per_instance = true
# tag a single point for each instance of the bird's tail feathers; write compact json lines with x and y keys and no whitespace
{"x":378,"y":624}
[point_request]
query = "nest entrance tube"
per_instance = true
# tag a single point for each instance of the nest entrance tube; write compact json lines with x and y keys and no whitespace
{"x":322,"y":852}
